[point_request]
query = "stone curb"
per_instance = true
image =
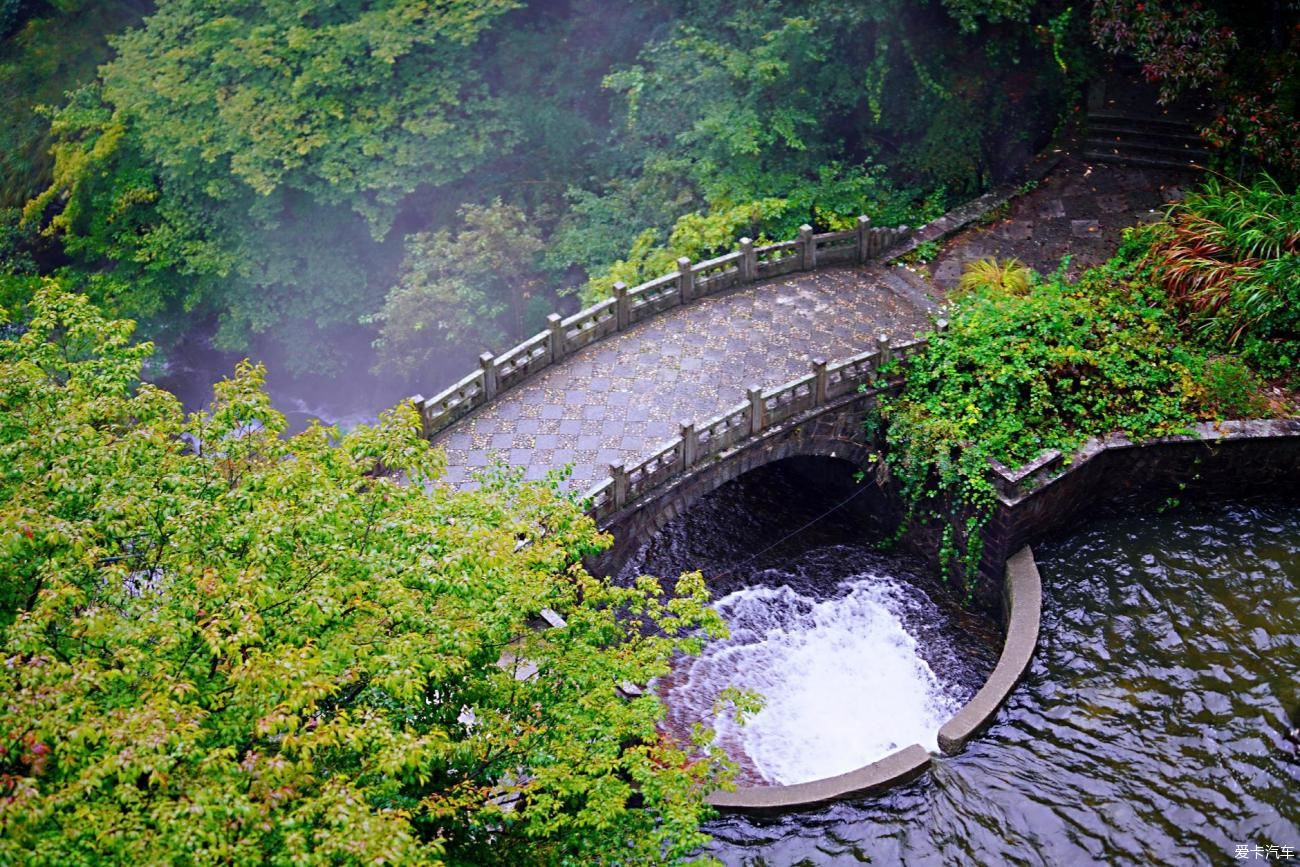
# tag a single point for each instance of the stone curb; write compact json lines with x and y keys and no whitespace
{"x":897,"y":767}
{"x":1024,"y":600}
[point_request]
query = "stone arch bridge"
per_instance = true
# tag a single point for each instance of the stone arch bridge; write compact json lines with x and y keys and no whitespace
{"x":687,"y":381}
{"x":666,"y":390}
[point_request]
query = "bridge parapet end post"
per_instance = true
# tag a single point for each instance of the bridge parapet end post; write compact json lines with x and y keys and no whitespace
{"x":864,"y":238}
{"x":623,"y":307}
{"x":618,"y":474}
{"x":748,"y":261}
{"x":487,"y":361}
{"x":685,"y":280}
{"x":819,"y":383}
{"x":553,"y":323}
{"x":882,"y":348}
{"x":807,"y":248}
{"x":690,"y":445}
{"x":755,"y":410}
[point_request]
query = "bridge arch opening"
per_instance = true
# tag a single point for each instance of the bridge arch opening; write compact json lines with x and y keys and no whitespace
{"x":765,"y":516}
{"x":860,"y":657}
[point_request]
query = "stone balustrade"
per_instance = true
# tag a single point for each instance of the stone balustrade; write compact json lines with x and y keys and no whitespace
{"x":763,"y":410}
{"x":629,"y":306}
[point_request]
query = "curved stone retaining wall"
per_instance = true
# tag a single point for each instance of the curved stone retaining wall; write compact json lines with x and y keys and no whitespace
{"x":1051,"y":493}
{"x":1024,"y":609}
{"x":1023,"y":599}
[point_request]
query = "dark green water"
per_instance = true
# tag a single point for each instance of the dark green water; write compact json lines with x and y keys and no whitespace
{"x":1150,"y":729}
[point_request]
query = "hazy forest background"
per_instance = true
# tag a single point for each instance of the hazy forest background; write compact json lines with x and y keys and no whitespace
{"x":388,"y":191}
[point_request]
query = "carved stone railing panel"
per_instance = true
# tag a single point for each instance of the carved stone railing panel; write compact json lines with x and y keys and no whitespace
{"x":775,"y":260}
{"x":452,"y":403}
{"x":589,"y":325}
{"x":654,"y":297}
{"x":717,"y":275}
{"x":526,"y":359}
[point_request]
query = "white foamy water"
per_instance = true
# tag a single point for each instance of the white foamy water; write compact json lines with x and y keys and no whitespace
{"x":842,"y":682}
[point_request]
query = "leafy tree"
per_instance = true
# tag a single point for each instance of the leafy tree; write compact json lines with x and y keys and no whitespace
{"x":246,"y":159}
{"x":222,"y":644}
{"x":455,"y":292}
{"x":47,"y":49}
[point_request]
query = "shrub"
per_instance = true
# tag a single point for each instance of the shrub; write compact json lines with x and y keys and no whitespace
{"x":1226,"y":388}
{"x":1015,"y":374}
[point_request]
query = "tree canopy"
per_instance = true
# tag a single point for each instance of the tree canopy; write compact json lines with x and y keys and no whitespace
{"x":224,"y":644}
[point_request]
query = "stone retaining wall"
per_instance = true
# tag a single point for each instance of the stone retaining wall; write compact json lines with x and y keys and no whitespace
{"x":1226,"y":459}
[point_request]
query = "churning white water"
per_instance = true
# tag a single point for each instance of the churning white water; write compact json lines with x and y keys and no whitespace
{"x":840,"y":675}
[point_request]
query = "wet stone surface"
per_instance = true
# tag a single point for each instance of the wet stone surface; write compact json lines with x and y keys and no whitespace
{"x":1080,"y":209}
{"x":618,"y":400}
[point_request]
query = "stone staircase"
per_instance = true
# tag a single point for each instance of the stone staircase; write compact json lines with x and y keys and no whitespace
{"x":1154,"y":142}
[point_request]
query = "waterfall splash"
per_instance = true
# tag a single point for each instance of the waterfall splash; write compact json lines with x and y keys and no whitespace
{"x":841,"y":673}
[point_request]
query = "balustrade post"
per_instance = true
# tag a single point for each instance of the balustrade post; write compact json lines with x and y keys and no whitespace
{"x":557,"y":336}
{"x":755,"y":410}
{"x":623,"y":305}
{"x":819,"y":380}
{"x":685,"y":280}
{"x":882,"y":348}
{"x":487,"y":361}
{"x":748,"y":261}
{"x":690,"y":445}
{"x":619,"y":494}
{"x":807,"y":248}
{"x":864,"y":238}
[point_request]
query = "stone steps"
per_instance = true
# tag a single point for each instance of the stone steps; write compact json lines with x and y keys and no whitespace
{"x":1144,"y":141}
{"x":908,"y":285}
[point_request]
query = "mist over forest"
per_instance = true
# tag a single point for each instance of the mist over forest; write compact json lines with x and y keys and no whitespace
{"x":368,"y":198}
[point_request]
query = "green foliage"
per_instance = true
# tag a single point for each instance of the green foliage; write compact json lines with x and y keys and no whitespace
{"x":224,"y":644}
{"x":55,"y":48}
{"x":448,"y":297}
{"x":1225,"y":388}
{"x":349,"y":103}
{"x":1229,"y":261}
{"x":1015,"y":374}
{"x":1247,"y":55}
{"x":968,"y":12}
{"x":248,"y":165}
{"x":18,"y":269}
{"x":831,"y":203}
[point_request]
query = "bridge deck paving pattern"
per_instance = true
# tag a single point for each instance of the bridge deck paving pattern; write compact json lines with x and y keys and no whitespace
{"x":618,"y":400}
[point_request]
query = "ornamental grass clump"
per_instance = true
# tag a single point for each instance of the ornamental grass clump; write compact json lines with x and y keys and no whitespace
{"x":1228,"y":259}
